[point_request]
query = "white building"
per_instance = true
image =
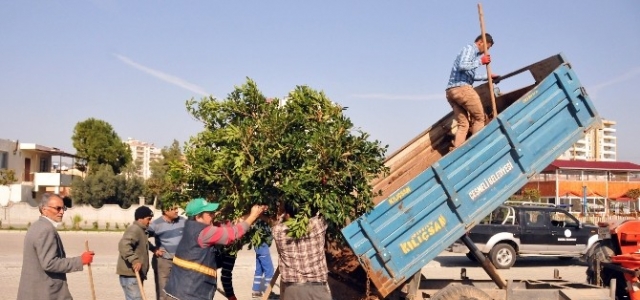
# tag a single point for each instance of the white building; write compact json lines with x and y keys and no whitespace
{"x":31,"y":163}
{"x":598,"y":144}
{"x":143,"y":154}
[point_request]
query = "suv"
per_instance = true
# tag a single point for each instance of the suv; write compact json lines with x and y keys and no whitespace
{"x":529,"y":230}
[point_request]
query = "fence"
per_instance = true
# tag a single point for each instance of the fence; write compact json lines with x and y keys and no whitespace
{"x":19,"y":215}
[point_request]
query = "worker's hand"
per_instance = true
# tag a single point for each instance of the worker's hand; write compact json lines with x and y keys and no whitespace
{"x":495,"y":78}
{"x":485,"y":59}
{"x":136,"y":267}
{"x":159,"y":252}
{"x":257,"y":210}
{"x":87,"y":257}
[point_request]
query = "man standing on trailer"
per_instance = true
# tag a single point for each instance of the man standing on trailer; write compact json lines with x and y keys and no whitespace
{"x":460,"y":93}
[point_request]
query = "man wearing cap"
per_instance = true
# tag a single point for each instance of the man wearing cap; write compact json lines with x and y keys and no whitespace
{"x":193,"y":276}
{"x":133,"y":255}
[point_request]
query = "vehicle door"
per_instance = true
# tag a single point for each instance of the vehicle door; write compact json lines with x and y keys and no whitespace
{"x":567,"y":236}
{"x":534,"y":236}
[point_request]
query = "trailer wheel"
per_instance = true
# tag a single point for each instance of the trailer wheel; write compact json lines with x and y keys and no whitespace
{"x":602,"y":252}
{"x":460,"y":292}
{"x":503,"y":256}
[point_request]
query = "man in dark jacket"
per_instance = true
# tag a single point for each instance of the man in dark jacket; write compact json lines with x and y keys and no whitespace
{"x":193,"y":276}
{"x":44,"y":262}
{"x":133,"y":255}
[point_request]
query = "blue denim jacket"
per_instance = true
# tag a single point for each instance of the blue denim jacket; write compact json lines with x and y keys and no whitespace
{"x":185,"y":284}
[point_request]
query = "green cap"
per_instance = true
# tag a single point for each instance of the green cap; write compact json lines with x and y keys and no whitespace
{"x":199,"y":205}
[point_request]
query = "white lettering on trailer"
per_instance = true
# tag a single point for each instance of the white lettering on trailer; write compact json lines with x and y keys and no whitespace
{"x":491,"y":180}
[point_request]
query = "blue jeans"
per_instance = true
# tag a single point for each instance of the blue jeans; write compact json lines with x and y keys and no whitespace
{"x":264,"y":268}
{"x":130,"y":288}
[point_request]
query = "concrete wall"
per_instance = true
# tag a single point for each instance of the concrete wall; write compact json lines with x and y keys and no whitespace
{"x":18,"y":215}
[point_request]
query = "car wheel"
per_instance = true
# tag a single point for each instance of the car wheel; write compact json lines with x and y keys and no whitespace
{"x":503,"y":256}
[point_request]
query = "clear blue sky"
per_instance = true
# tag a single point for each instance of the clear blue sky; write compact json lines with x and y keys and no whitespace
{"x":134,"y":63}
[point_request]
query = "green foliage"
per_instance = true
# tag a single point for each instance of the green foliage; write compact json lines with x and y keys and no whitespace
{"x":254,"y":151}
{"x":97,"y":143}
{"x":76,"y":222}
{"x":95,"y":225}
{"x":117,"y":226}
{"x":7,"y":176}
{"x":633,"y":193}
{"x":160,"y":183}
{"x":107,"y":225}
{"x":531,"y":194}
{"x":105,"y":187}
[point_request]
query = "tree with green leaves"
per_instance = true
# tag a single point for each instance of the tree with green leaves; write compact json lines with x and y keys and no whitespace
{"x":97,"y":142}
{"x":633,"y":193}
{"x":159,"y":184}
{"x":105,"y":187}
{"x":256,"y":151}
{"x":531,"y":195}
{"x":7,"y":177}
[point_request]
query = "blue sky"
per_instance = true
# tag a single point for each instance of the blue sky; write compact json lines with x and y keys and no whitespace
{"x":135,"y":63}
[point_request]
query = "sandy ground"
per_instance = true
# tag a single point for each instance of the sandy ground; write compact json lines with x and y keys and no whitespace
{"x":105,"y":244}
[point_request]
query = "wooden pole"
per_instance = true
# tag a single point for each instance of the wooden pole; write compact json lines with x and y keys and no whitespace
{"x":486,"y":52}
{"x":93,"y":290}
{"x":267,"y":292}
{"x":144,"y":297}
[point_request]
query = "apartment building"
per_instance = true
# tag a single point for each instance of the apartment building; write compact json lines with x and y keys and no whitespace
{"x":598,"y":144}
{"x":143,"y":154}
{"x":32,"y":165}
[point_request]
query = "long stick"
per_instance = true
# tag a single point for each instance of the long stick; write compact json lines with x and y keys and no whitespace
{"x":267,"y":292}
{"x":486,"y":52}
{"x":144,"y":297}
{"x":93,"y":289}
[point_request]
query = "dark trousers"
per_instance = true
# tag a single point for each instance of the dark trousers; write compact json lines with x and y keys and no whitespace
{"x":161,"y":269}
{"x":226,"y":262}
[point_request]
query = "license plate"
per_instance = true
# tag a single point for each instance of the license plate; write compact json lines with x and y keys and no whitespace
{"x":604,"y":233}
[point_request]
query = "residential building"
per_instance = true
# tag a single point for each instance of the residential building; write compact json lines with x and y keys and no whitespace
{"x":591,"y":186}
{"x":143,"y":154}
{"x":598,"y":144}
{"x":32,"y":166}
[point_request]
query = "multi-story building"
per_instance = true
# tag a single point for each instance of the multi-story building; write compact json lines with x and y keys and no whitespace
{"x":143,"y":154}
{"x":598,"y":144}
{"x":32,"y":166}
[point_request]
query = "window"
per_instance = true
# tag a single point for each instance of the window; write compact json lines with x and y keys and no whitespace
{"x":4,"y":160}
{"x":44,"y":166}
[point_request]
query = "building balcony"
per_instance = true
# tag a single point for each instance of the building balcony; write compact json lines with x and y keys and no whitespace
{"x":51,"y":179}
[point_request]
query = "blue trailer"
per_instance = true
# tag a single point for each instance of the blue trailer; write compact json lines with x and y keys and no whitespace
{"x":434,"y":207}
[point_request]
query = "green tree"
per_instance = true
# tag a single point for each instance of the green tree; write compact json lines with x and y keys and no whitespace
{"x":633,"y":193}
{"x":531,"y":195}
{"x":7,"y":176}
{"x":96,"y":142}
{"x":159,"y":183}
{"x":105,"y":187}
{"x":254,"y":151}
{"x":128,"y":190}
{"x":96,"y":189}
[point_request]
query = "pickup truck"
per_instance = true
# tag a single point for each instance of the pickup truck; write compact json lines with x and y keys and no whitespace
{"x":529,"y":230}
